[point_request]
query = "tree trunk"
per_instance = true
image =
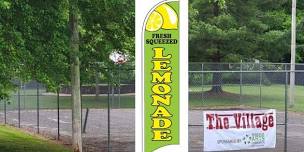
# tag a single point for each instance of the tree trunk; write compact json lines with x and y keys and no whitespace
{"x":75,"y":76}
{"x":217,"y":80}
{"x":217,"y":77}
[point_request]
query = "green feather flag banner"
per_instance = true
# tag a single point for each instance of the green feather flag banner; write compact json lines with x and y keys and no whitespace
{"x":160,"y":97}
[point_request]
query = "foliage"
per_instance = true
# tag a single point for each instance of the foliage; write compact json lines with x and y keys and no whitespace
{"x":234,"y":30}
{"x":34,"y":39}
{"x":103,"y":31}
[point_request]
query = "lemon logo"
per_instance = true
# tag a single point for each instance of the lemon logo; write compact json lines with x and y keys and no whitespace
{"x":155,"y":22}
{"x":163,"y":17}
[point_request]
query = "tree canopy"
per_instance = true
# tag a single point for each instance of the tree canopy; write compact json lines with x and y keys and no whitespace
{"x":34,"y":38}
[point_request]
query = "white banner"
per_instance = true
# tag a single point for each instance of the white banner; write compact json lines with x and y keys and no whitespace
{"x":236,"y":130}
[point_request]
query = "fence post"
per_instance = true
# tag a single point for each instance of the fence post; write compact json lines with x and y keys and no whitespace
{"x":241,"y":80}
{"x":85,"y":121}
{"x":202,"y":82}
{"x":109,"y":125}
{"x":58,"y":116}
{"x":112,"y":93}
{"x":4,"y":111}
{"x":38,"y":108}
{"x":24,"y":95}
{"x":19,"y":87}
{"x":261,"y":79}
{"x":286,"y":111}
{"x":119,"y":68}
{"x":81,"y":108}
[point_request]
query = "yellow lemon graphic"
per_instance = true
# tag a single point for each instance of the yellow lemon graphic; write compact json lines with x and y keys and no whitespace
{"x":170,"y":17}
{"x":155,"y":22}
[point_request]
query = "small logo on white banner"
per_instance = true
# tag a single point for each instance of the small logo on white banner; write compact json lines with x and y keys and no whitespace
{"x":236,"y":130}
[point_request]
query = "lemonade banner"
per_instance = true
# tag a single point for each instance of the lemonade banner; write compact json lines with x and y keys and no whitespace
{"x":237,"y":130}
{"x":161,"y":75}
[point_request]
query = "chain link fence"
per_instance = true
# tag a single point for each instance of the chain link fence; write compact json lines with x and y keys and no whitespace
{"x":108,"y":101}
{"x":246,"y":86}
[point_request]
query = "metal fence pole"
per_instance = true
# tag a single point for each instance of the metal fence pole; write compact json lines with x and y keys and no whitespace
{"x":112,"y":94}
{"x":58,"y":116}
{"x":202,"y":82}
{"x":286,"y":111}
{"x":81,"y":109}
{"x":261,"y":79}
{"x":4,"y":111}
{"x":119,"y":85}
{"x":109,"y":125}
{"x":85,"y":121}
{"x":38,"y":108}
{"x":24,"y":95}
{"x":241,"y":80}
{"x":19,"y":104}
{"x":112,"y":100}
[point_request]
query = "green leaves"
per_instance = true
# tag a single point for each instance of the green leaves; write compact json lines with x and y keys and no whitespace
{"x":221,"y":3}
{"x":5,"y":4}
{"x":34,"y":39}
{"x":235,"y":29}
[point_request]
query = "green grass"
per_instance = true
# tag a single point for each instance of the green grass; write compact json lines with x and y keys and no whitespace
{"x":50,"y":102}
{"x":272,"y":97}
{"x":13,"y":140}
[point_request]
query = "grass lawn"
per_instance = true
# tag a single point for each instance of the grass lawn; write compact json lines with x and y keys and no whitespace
{"x":50,"y":102}
{"x":13,"y":140}
{"x":271,"y":97}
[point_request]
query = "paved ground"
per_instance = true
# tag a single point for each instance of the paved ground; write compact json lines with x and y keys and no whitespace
{"x":123,"y":131}
{"x":122,"y":125}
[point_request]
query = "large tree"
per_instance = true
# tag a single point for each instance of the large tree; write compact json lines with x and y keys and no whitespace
{"x":43,"y":39}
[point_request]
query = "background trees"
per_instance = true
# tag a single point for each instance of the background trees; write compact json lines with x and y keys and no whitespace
{"x":235,"y":30}
{"x":231,"y":30}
